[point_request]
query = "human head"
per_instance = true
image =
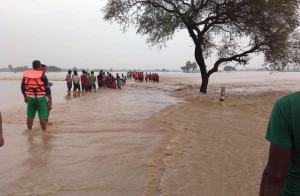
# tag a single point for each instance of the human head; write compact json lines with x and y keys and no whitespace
{"x":36,"y":64}
{"x":69,"y":71}
{"x":92,"y":72}
{"x":43,"y":67}
{"x":75,"y":72}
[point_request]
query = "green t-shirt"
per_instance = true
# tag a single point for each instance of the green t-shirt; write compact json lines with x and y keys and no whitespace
{"x":284,"y":130}
{"x":92,"y":79}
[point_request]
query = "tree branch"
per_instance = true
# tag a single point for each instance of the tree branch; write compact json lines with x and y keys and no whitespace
{"x":238,"y":58}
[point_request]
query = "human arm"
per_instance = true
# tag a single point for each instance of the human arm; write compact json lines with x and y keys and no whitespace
{"x":50,"y":102}
{"x":48,"y":90}
{"x":280,"y":134}
{"x":1,"y":136}
{"x":275,"y":171}
{"x":47,"y":86}
{"x":23,"y":90}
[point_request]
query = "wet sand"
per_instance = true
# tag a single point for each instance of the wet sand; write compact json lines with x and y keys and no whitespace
{"x":196,"y":146}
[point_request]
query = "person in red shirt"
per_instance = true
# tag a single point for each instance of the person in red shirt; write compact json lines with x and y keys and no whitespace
{"x":84,"y":81}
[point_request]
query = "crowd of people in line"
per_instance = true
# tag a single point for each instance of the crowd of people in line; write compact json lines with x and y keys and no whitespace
{"x":141,"y":76}
{"x":36,"y":90}
{"x":89,"y":81}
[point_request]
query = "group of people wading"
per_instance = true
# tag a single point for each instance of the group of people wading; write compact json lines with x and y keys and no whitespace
{"x":87,"y":81}
{"x":141,"y":77}
{"x":36,"y":90}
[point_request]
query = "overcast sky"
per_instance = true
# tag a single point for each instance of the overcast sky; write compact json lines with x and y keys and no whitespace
{"x":72,"y":33}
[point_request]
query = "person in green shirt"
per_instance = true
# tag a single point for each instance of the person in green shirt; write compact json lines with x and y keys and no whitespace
{"x":92,"y":81}
{"x":281,"y":175}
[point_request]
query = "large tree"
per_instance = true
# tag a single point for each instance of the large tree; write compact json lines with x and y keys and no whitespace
{"x":230,"y":30}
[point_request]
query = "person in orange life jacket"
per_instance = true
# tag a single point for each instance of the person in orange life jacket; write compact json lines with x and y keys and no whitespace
{"x":35,"y":88}
{"x":1,"y":136}
{"x":44,"y":69}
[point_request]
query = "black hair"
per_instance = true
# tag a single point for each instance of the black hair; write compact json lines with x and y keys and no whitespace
{"x":36,"y":64}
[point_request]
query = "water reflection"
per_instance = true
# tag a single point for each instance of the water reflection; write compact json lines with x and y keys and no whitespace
{"x":72,"y":95}
{"x":39,"y":148}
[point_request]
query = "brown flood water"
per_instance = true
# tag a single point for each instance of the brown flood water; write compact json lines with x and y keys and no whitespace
{"x":141,"y":141}
{"x":99,"y":143}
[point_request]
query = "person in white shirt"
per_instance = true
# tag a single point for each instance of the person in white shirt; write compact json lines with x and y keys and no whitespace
{"x":76,"y":81}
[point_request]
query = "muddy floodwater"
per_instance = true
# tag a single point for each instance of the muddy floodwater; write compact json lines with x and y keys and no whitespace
{"x":144,"y":139}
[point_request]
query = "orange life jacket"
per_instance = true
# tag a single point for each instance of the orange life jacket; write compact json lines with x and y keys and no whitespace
{"x":33,"y":82}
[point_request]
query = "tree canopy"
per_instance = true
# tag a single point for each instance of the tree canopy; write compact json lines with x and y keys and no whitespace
{"x":229,"y":68}
{"x":228,"y":30}
{"x":188,"y":66}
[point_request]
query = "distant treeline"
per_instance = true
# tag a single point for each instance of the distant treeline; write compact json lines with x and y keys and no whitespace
{"x":51,"y":68}
{"x":10,"y":68}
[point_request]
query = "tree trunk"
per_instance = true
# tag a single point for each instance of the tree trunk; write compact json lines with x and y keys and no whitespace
{"x":203,"y":88}
{"x":200,"y":61}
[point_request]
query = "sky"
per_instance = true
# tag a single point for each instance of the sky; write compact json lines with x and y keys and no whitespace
{"x":72,"y":33}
